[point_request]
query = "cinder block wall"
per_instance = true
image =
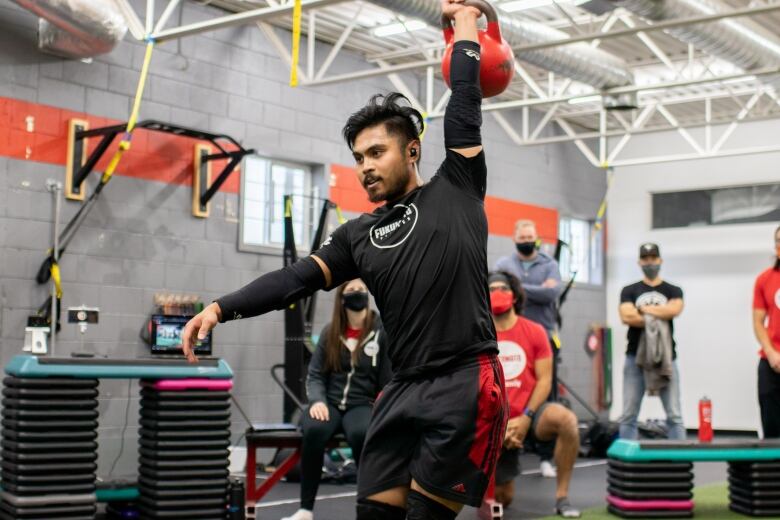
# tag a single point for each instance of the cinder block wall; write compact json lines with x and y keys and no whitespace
{"x":141,"y":237}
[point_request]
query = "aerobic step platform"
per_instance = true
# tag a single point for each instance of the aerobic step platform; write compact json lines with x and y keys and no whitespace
{"x":654,"y":479}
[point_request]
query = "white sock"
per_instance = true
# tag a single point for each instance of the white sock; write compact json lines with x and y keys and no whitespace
{"x":301,"y":514}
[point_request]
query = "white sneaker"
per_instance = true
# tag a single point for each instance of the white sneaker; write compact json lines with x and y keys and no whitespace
{"x":547,"y":469}
{"x":564,"y":508}
{"x":301,"y":514}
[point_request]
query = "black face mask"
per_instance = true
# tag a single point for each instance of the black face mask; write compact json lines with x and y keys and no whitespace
{"x":526,"y":248}
{"x":355,"y":301}
{"x":651,"y":271}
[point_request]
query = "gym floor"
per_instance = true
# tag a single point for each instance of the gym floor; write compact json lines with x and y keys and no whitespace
{"x":534,"y":496}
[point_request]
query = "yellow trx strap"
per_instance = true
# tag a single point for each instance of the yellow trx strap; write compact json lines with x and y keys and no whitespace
{"x":55,"y":276}
{"x":603,"y":206}
{"x":296,"y":43}
{"x":288,"y":208}
{"x":556,"y":339}
{"x":124,"y":144}
{"x":340,"y":215}
{"x":425,"y":125}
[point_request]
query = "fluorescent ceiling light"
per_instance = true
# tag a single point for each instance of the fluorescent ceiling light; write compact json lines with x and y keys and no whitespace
{"x":398,"y":28}
{"x":584,"y":99}
{"x":523,"y":5}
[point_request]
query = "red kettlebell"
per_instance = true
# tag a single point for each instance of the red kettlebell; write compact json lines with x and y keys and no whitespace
{"x":497,"y":62}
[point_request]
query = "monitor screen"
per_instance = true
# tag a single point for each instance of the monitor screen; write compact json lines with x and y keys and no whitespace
{"x":166,"y":335}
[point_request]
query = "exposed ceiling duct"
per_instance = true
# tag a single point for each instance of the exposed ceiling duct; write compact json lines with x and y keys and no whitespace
{"x":729,"y":40}
{"x":77,"y":28}
{"x":579,"y":61}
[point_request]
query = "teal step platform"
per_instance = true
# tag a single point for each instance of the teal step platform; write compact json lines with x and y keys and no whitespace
{"x":691,"y":451}
{"x":101,"y":368}
{"x":119,"y":494}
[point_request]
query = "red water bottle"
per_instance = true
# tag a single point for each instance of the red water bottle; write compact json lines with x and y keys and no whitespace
{"x":705,"y":419}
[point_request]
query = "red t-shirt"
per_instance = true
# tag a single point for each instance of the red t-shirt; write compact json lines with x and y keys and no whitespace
{"x":766,"y":296}
{"x":518,"y":350}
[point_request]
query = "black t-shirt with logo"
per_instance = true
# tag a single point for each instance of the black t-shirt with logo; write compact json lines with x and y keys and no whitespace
{"x":641,"y":294}
{"x":424,"y":258}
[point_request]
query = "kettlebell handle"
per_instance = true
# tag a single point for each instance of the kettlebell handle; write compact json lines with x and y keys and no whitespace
{"x":483,"y":5}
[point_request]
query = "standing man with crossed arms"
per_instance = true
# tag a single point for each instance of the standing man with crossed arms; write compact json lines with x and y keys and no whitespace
{"x":437,"y":428}
{"x":650,"y":297}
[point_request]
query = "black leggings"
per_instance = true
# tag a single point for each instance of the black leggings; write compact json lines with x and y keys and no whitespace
{"x":769,"y":399}
{"x":316,"y":434}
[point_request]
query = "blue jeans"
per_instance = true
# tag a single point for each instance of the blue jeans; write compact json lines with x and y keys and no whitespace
{"x":634,"y":391}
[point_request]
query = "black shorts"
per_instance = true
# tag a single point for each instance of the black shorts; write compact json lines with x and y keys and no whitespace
{"x":445,"y":432}
{"x":508,"y":466}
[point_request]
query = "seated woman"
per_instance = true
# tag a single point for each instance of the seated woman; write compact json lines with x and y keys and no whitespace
{"x":349,"y":368}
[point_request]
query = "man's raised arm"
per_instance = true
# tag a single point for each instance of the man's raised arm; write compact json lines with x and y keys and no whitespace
{"x":463,"y":117}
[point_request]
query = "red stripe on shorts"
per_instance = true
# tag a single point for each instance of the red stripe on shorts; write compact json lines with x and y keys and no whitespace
{"x":491,"y":416}
{"x":502,"y":415}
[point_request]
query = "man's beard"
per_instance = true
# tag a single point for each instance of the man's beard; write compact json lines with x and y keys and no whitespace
{"x":394,"y":187}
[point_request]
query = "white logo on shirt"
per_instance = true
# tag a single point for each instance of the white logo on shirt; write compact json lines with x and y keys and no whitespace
{"x":513,"y":360}
{"x":371,"y":348}
{"x":651,"y":298}
{"x":471,"y":54}
{"x":777,"y":299}
{"x":396,"y":232}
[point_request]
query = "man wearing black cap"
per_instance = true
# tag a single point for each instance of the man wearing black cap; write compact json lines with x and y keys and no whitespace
{"x":639,"y":303}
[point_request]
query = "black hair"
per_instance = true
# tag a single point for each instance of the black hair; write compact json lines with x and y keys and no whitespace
{"x":338,"y":326}
{"x":777,"y":260}
{"x":400,"y":120}
{"x":518,"y":293}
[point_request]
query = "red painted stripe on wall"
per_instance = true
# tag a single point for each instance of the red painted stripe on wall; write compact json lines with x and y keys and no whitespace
{"x":34,"y":132}
{"x":346,"y":191}
{"x":503,"y":214}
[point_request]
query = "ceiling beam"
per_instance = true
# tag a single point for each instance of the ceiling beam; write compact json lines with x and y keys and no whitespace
{"x":253,"y":15}
{"x":537,"y":102}
{"x":643,"y":130}
{"x":660,"y":26}
{"x":750,"y":11}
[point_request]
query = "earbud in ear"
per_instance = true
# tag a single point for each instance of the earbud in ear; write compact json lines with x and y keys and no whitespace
{"x":413,"y":152}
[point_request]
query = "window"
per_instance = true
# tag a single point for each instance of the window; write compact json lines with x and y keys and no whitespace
{"x":584,"y":256}
{"x":718,"y":206}
{"x":264,"y":183}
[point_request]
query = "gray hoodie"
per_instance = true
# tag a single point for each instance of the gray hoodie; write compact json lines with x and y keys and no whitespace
{"x":356,"y":383}
{"x":540,"y":301}
{"x":654,"y":354}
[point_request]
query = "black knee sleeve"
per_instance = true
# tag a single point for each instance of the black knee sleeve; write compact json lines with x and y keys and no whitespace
{"x":423,"y":508}
{"x":368,"y":509}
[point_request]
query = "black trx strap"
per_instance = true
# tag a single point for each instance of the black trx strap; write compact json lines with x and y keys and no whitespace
{"x":298,"y":317}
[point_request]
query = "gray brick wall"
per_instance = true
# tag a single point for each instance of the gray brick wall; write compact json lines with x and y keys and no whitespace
{"x":141,"y":237}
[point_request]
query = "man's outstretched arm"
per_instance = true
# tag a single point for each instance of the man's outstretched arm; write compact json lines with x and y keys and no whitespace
{"x":270,"y":292}
{"x":463,"y":117}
